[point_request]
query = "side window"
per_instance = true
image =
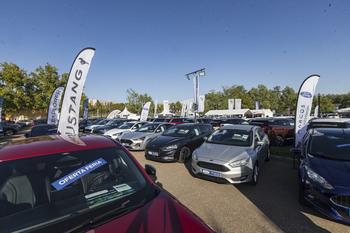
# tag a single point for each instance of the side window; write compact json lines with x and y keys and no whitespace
{"x":196,"y":131}
{"x":204,"y":129}
{"x":261,"y":133}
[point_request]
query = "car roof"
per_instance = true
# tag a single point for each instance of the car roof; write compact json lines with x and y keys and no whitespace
{"x":243,"y":127}
{"x":43,"y":145}
{"x":331,"y":131}
{"x":330,"y":120}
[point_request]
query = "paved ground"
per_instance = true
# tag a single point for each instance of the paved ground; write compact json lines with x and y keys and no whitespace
{"x":270,"y":206}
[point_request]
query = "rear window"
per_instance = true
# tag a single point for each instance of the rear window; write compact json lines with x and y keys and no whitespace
{"x":260,"y":123}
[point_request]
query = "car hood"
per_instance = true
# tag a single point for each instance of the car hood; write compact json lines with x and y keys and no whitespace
{"x":336,"y":172}
{"x":224,"y":153}
{"x":162,"y":141}
{"x":103,"y":127}
{"x":162,"y":214}
{"x":113,"y":131}
{"x":133,"y":135}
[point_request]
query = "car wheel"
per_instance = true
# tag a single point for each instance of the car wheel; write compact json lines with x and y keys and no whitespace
{"x":9,"y":132}
{"x":184,"y":155}
{"x":279,"y":141}
{"x":255,"y":174}
{"x":268,"y":154}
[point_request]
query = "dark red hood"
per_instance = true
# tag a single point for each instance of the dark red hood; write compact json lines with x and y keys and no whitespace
{"x":162,"y":214}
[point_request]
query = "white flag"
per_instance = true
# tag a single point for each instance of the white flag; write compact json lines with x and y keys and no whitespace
{"x":183,"y":109}
{"x":201,"y":103}
{"x":112,"y":114}
{"x":166,"y":107}
{"x":230,"y":104}
{"x":256,"y":105}
{"x":55,"y":101}
{"x":145,"y":110}
{"x":304,"y":103}
{"x":238,"y":103}
{"x":155,"y":108}
{"x":68,"y":126}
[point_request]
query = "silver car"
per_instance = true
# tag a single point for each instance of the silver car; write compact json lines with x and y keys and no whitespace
{"x":232,"y":154}
{"x":138,"y":139}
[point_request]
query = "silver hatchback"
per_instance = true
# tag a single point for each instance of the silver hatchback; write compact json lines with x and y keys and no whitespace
{"x":232,"y":154}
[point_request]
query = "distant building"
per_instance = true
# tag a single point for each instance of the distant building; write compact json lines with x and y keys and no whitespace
{"x":102,"y":102}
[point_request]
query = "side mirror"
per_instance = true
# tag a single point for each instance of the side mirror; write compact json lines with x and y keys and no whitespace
{"x":150,"y":170}
{"x":26,"y":135}
{"x":205,"y":138}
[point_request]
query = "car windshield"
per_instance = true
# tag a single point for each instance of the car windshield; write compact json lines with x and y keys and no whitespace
{"x":39,"y":191}
{"x":103,"y":122}
{"x":147,"y":128}
{"x":177,"y":131}
{"x":233,"y":137}
{"x":330,"y":146}
{"x":94,"y":122}
{"x":114,"y":122}
{"x":126,"y":125}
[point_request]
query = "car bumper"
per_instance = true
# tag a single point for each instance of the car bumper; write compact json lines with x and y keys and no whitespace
{"x":133,"y":144}
{"x":335,"y":203}
{"x":221,"y":173}
{"x":161,"y":156}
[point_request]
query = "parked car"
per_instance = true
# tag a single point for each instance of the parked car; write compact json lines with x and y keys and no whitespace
{"x":48,"y":184}
{"x":328,"y":123}
{"x":126,"y":127}
{"x":176,"y":120}
{"x":232,"y":154}
{"x":178,"y":142}
{"x":23,"y":123}
{"x":90,"y":128}
{"x":9,"y":128}
{"x":84,"y":123}
{"x":2,"y":134}
{"x":112,"y":124}
{"x":138,"y":139}
{"x":324,"y":178}
{"x":41,"y":121}
{"x":279,"y":130}
{"x":40,"y":130}
{"x":234,"y":121}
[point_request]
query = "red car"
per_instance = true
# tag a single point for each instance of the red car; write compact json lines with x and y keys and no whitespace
{"x":50,"y":185}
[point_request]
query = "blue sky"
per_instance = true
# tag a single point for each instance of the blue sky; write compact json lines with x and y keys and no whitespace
{"x":149,"y":46}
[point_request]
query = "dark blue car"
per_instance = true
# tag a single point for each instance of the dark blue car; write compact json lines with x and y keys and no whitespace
{"x":324,"y":171}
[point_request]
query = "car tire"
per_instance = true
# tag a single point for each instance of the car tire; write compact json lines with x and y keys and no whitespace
{"x":9,"y":132}
{"x":184,"y":154}
{"x":279,"y":141}
{"x":255,"y":174}
{"x":268,"y":154}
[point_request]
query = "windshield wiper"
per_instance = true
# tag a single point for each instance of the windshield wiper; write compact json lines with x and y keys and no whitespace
{"x":112,"y":214}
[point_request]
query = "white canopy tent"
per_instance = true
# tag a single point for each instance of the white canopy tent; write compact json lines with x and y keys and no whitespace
{"x":227,"y":113}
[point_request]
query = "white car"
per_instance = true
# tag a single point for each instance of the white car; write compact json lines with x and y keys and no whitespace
{"x":129,"y":126}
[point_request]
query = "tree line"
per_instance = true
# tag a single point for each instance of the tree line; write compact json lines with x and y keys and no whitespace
{"x":32,"y":91}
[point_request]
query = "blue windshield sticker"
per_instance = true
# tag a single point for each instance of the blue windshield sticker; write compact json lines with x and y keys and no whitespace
{"x":343,"y":145}
{"x":77,"y":174}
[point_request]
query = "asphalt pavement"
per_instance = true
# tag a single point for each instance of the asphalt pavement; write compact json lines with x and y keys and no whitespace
{"x":270,"y":206}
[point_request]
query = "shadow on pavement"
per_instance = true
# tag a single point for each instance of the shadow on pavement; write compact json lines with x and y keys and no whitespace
{"x":276,"y":195}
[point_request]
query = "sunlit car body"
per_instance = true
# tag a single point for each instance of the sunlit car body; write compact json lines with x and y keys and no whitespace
{"x":90,"y":128}
{"x":114,"y":123}
{"x":232,"y":154}
{"x":130,"y":126}
{"x":138,"y":139}
{"x":328,"y":123}
{"x":324,"y":177}
{"x":50,"y":185}
{"x":177,"y":143}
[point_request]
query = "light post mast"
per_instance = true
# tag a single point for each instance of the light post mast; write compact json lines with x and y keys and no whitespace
{"x":195,"y":74}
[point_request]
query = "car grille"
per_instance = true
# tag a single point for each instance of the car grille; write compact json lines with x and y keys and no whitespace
{"x":126,"y":141}
{"x":213,"y":166}
{"x":343,"y":214}
{"x":341,"y":200}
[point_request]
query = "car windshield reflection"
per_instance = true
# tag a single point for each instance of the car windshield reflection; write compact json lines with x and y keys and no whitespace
{"x":233,"y":137}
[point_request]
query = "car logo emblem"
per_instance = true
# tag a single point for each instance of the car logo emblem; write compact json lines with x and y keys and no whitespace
{"x":306,"y":94}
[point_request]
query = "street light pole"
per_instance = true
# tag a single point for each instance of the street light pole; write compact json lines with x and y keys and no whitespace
{"x":196,"y":74}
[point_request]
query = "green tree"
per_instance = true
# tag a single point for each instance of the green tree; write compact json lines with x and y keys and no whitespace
{"x":288,"y":100}
{"x":215,"y":101}
{"x":261,"y":94}
{"x":136,"y":100}
{"x":238,"y":92}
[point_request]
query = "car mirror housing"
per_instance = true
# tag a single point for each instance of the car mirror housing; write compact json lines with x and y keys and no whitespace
{"x":150,"y":170}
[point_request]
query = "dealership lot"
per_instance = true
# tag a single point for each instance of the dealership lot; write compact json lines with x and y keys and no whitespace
{"x":270,"y":206}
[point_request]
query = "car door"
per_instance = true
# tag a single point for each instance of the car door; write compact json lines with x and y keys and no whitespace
{"x":259,"y":150}
{"x":195,"y":138}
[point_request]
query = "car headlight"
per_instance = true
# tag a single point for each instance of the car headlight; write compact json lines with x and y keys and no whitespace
{"x":318,"y":179}
{"x":171,"y":147}
{"x":194,"y":156}
{"x":141,"y":139}
{"x":117,"y":134}
{"x":239,"y":163}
